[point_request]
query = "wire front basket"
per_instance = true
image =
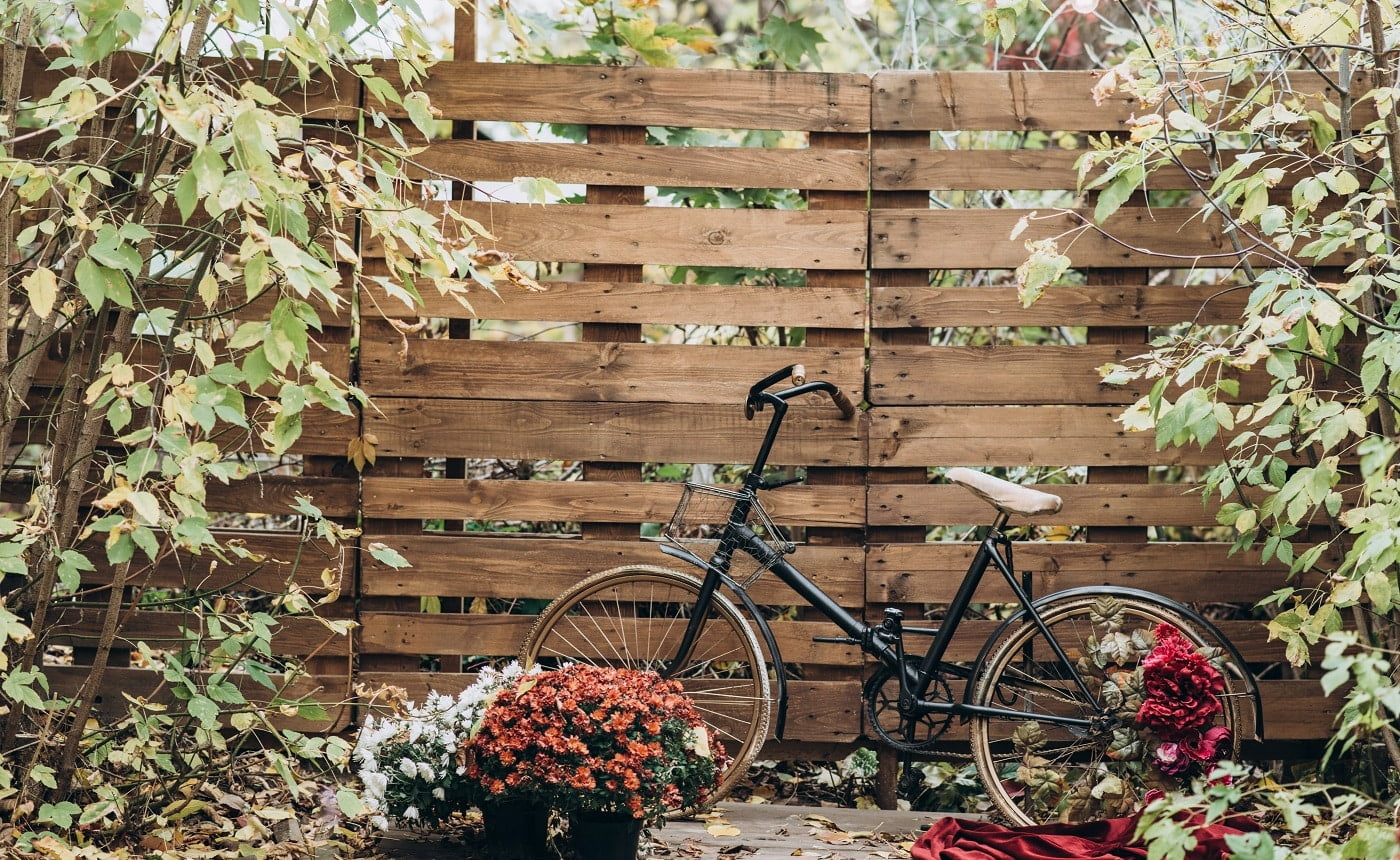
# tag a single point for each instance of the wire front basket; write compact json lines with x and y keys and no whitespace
{"x":703,"y":513}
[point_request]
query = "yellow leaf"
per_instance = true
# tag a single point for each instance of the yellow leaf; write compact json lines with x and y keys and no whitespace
{"x":42,"y":287}
{"x":209,"y":290}
{"x":720,"y":830}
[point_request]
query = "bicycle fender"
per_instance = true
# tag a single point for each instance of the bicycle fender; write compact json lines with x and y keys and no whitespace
{"x":1118,"y":591}
{"x":685,"y":555}
{"x":769,"y":639}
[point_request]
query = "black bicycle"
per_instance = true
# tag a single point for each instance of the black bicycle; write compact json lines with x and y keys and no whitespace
{"x":1051,"y":701}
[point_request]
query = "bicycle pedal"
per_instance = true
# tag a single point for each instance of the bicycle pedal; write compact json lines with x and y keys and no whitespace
{"x":836,"y":640}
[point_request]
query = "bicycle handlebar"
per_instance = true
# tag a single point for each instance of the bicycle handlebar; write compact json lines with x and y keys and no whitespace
{"x":758,"y":393}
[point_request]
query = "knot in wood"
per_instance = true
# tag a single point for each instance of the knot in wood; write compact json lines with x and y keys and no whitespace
{"x":717,"y":237}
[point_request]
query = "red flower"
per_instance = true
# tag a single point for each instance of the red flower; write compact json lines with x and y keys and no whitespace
{"x":1209,"y":747}
{"x":1182,"y":687}
{"x":586,"y":737}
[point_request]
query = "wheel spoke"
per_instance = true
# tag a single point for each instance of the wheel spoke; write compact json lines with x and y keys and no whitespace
{"x":637,"y":617}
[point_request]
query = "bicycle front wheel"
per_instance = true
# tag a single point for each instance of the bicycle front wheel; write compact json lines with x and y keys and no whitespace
{"x":634,"y":617}
{"x":1037,"y":771}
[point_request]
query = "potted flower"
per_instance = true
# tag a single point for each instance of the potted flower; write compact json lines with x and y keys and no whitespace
{"x":613,"y":748}
{"x":410,"y":757}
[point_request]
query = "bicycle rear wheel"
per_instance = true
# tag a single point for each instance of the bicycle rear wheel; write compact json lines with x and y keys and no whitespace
{"x":1036,"y":771}
{"x":634,"y":617}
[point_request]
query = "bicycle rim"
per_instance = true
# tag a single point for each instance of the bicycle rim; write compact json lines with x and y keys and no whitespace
{"x":1038,"y":772}
{"x":634,"y":617}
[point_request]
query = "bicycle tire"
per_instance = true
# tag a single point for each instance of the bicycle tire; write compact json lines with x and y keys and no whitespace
{"x":1070,"y":779}
{"x":596,"y":622}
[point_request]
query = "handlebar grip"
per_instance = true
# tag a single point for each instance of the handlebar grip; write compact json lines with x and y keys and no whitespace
{"x":843,"y":403}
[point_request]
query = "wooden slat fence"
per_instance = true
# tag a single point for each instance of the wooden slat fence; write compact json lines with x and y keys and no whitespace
{"x":537,"y":439}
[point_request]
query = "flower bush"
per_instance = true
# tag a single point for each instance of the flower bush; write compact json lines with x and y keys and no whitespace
{"x":410,"y":761}
{"x":593,"y":738}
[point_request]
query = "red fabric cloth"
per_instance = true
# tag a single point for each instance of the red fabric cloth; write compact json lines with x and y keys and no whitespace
{"x":1111,"y":839}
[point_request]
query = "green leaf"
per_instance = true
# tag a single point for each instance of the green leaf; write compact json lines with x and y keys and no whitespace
{"x":420,"y":112}
{"x":790,"y":40}
{"x":640,"y":35}
{"x":44,"y":775}
{"x":203,"y":709}
{"x":349,"y":803}
{"x":60,"y":814}
{"x":1117,"y":192}
{"x":1044,"y":266}
{"x":387,"y":555}
{"x":99,"y":284}
{"x":255,"y":274}
{"x":96,"y":811}
{"x":71,"y":565}
{"x":18,"y":686}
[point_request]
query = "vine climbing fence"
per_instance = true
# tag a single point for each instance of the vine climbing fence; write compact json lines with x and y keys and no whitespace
{"x":539,"y":437}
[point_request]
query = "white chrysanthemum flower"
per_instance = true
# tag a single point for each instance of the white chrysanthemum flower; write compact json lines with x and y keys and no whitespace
{"x":439,"y":793}
{"x":379,"y":822}
{"x":376,"y":784}
{"x":409,"y":767}
{"x":425,"y":771}
{"x":411,"y":813}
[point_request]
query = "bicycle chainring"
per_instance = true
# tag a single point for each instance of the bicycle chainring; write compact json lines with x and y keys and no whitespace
{"x":913,"y":733}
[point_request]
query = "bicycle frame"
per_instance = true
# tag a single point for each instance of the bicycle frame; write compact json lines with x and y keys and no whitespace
{"x":885,"y":641}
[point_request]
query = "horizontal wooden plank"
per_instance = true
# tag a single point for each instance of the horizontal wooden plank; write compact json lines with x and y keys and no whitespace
{"x":918,"y":375}
{"x":293,"y":635}
{"x":1156,"y":305}
{"x":981,"y":239}
{"x":641,"y":165}
{"x":989,"y":375}
{"x":637,"y":235}
{"x":814,"y":434}
{"x":591,"y":372}
{"x":586,"y":501}
{"x":1298,"y":710}
{"x":1084,"y":505}
{"x":524,"y":566}
{"x":640,"y":95}
{"x":1019,"y":435}
{"x":1043,"y":170}
{"x":503,"y":635}
{"x":678,"y":304}
{"x":275,"y":494}
{"x":931,"y":572}
{"x":1021,"y":100}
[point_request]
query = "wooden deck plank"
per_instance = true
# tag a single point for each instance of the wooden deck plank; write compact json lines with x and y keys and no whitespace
{"x":765,"y":832}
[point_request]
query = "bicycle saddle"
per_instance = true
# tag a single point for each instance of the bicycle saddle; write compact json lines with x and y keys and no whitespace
{"x":1005,"y":496}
